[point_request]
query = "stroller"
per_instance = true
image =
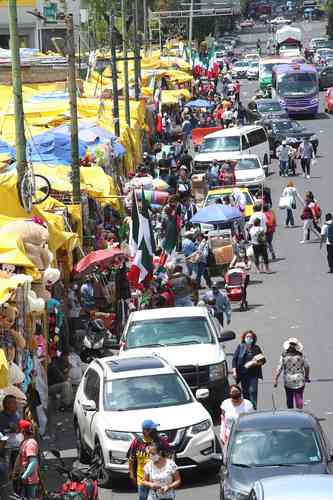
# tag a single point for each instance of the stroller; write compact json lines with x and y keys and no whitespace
{"x":235,"y":287}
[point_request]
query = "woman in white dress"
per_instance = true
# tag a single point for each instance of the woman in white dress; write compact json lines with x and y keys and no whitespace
{"x":161,"y":475}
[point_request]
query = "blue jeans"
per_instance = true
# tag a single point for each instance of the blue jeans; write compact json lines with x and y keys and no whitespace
{"x":143,"y":492}
{"x":183,"y":301}
{"x":284,"y":164}
{"x":201,"y":271}
{"x":250,"y":389}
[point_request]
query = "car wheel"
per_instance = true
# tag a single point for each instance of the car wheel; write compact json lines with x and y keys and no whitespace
{"x":83,"y":454}
{"x":104,"y":479}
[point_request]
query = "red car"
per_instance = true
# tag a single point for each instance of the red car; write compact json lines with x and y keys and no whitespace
{"x":248,"y":23}
{"x":328,"y":102}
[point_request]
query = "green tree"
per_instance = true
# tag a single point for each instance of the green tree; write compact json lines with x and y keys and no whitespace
{"x":329,"y":29}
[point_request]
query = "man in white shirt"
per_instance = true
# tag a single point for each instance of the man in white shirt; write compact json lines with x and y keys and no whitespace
{"x":283,"y":153}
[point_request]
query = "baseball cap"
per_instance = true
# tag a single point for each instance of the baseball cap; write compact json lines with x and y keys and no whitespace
{"x":149,"y":424}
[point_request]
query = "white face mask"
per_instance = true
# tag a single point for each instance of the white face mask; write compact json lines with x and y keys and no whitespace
{"x":154,"y":458}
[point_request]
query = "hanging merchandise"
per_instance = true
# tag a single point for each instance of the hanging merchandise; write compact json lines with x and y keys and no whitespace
{"x":55,"y":321}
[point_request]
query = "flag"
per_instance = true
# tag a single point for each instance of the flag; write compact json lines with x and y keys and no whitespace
{"x":170,"y":241}
{"x":142,"y":264}
{"x":134,"y":230}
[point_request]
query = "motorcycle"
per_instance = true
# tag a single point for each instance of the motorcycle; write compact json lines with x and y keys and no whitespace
{"x":97,"y":341}
{"x":80,"y":484}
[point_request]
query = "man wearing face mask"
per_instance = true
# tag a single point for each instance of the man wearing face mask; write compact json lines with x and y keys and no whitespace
{"x":138,"y":454}
{"x":247,"y":366}
{"x":231,"y":408}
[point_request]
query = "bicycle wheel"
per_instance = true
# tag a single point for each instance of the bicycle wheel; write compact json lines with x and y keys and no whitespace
{"x":25,"y":188}
{"x":42,"y":188}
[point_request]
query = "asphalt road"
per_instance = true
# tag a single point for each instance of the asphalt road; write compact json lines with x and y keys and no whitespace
{"x":296,"y":300}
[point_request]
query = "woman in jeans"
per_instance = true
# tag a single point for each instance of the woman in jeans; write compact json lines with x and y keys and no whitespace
{"x":291,"y":192}
{"x":296,"y":372}
{"x":244,"y":369}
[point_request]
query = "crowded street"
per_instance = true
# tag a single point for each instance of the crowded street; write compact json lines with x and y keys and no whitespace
{"x":164,"y":311}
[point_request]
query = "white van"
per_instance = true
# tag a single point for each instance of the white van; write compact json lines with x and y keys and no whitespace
{"x":231,"y":143}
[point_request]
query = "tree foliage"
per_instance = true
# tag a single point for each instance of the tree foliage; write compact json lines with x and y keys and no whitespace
{"x":329,"y":29}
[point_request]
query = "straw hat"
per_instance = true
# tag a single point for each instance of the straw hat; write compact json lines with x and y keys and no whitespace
{"x":293,"y":340}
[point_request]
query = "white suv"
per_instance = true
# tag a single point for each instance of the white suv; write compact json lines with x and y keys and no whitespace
{"x":116,"y":395}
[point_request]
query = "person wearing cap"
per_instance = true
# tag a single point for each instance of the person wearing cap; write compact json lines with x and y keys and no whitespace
{"x":27,"y":464}
{"x":283,"y":153}
{"x":223,"y":307}
{"x":296,"y":372}
{"x":138,"y":454}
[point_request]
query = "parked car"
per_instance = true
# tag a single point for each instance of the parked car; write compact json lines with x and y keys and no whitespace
{"x":253,"y":70}
{"x":272,"y":443}
{"x":247,"y":23}
{"x":281,"y":20}
{"x":260,"y":109}
{"x":219,"y":193}
{"x":239,"y":69}
{"x":116,"y":395}
{"x":296,"y":487}
{"x":188,"y":338}
{"x":290,"y":130}
{"x":325,"y":77}
{"x":321,"y":54}
{"x":328,"y":100}
{"x":315,"y":42}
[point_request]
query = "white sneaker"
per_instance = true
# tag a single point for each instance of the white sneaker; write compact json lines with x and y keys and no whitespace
{"x":308,"y":177}
{"x":302,"y":241}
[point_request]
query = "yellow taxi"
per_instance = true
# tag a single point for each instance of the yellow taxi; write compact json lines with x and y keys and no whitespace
{"x":214,"y":194}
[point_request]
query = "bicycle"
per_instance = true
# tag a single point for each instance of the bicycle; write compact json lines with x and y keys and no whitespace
{"x":33,"y":188}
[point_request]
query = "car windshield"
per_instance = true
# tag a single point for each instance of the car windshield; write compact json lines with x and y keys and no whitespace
{"x":287,"y":126}
{"x":168,"y":332}
{"x":137,"y":393}
{"x":253,"y":65}
{"x":220,"y":144}
{"x":266,"y":107}
{"x":297,"y":84}
{"x":272,"y":447}
{"x":247,"y":164}
{"x":266,"y":69}
{"x":212,"y":198}
{"x":240,"y":64}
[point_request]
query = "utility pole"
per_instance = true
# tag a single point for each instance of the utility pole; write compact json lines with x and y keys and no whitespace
{"x":73,"y":110}
{"x":115,"y":108}
{"x":21,"y":158}
{"x":145,"y":30}
{"x":136,"y":50}
{"x":126,"y":89}
{"x":190,"y":27}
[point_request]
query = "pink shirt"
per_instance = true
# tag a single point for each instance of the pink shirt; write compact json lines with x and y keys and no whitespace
{"x":29,"y":448}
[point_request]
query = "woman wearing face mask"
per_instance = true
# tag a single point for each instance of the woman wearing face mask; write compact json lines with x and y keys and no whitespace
{"x":247,"y":365}
{"x":296,"y":372}
{"x":161,"y":475}
{"x":230,"y":410}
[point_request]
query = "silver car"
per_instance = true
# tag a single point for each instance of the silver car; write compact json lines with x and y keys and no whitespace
{"x":294,"y":487}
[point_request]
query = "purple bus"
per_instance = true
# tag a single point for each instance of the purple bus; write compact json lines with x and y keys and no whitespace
{"x":296,"y":87}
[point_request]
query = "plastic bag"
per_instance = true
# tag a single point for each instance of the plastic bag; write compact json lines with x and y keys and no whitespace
{"x":314,"y":162}
{"x":285,"y":202}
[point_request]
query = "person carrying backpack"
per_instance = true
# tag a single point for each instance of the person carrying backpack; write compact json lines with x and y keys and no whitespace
{"x":327,"y":237}
{"x":259,"y":243}
{"x":307,"y":218}
{"x":270,"y":229}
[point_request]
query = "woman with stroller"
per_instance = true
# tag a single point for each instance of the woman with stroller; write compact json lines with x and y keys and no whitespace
{"x":247,"y":365}
{"x":241,"y":261}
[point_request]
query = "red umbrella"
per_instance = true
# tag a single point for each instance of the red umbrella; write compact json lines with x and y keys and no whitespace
{"x":101,"y":259}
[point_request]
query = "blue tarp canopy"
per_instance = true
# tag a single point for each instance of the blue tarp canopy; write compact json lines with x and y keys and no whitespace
{"x":54,"y":146}
{"x":216,"y":214}
{"x":6,"y":148}
{"x":199,"y":103}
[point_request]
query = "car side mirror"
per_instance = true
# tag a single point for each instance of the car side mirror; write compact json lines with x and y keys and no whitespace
{"x":227,"y":335}
{"x":201,"y":394}
{"x":89,"y":406}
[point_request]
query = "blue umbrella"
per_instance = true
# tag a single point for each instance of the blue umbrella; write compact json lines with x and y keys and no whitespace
{"x":216,"y":214}
{"x":199,"y":103}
